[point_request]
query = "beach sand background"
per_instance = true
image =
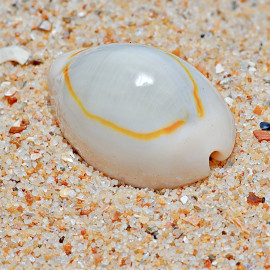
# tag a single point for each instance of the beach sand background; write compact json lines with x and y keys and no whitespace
{"x":58,"y":212}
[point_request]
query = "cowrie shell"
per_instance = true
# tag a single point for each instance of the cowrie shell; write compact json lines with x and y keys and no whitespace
{"x":141,"y":115}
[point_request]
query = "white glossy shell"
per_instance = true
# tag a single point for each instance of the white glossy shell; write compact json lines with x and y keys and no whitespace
{"x":141,"y":115}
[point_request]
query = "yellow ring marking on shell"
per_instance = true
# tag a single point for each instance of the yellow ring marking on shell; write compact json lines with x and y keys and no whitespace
{"x":82,"y":50}
{"x":199,"y":105}
{"x":142,"y":136}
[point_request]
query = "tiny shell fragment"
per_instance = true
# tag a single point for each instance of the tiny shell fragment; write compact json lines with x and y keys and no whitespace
{"x":19,"y":129}
{"x":262,"y":135}
{"x":12,"y":91}
{"x":14,"y":53}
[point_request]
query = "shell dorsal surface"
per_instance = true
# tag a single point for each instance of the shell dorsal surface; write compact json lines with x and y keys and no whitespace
{"x":132,"y":111}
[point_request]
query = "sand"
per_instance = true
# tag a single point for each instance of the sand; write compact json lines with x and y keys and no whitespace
{"x":59,"y":212}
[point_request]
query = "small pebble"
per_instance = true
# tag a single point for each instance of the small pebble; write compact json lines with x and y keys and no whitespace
{"x":31,"y":258}
{"x":262,"y":135}
{"x":45,"y":26}
{"x":229,"y":101}
{"x":265,"y":126}
{"x":233,"y":5}
{"x":252,"y":70}
{"x":152,"y":230}
{"x":144,"y":219}
{"x":61,"y":239}
{"x":184,"y":199}
{"x":145,"y":256}
{"x":35,"y":156}
{"x":64,"y":192}
{"x":253,"y":199}
{"x":81,"y":14}
{"x":258,"y":110}
{"x":219,"y":68}
{"x":67,"y":158}
{"x":66,"y":19}
{"x":212,"y":258}
{"x":12,"y":100}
